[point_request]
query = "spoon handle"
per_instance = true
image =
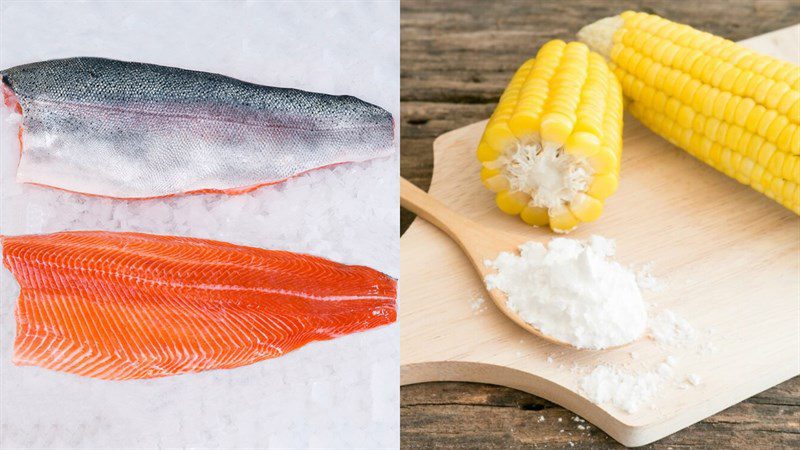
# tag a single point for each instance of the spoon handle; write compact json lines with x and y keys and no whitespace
{"x":422,"y":204}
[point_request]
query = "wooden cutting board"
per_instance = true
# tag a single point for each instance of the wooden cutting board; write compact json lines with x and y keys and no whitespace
{"x":729,"y":257}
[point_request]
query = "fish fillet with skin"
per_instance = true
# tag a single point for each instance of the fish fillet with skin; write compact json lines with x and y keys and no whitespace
{"x":116,"y":306}
{"x":132,"y":130}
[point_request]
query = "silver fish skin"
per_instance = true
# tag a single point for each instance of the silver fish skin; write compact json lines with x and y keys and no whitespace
{"x":133,"y":130}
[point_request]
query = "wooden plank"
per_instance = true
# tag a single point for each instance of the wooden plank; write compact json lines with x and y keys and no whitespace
{"x":471,"y":415}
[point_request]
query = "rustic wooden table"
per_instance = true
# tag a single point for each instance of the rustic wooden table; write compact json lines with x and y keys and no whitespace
{"x":457,"y":57}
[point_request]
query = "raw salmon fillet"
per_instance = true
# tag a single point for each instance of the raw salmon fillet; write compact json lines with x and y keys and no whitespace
{"x":120,"y":306}
{"x":132,"y":130}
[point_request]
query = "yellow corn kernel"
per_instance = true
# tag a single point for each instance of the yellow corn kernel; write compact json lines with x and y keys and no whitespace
{"x":765,"y":155}
{"x":784,"y":139}
{"x":512,"y":202}
{"x":791,"y":168}
{"x":562,"y":220}
{"x":582,"y":144}
{"x":556,"y":128}
{"x":604,"y":161}
{"x":603,"y":186}
{"x":487,"y":153}
{"x":494,"y":180}
{"x":534,"y":215}
{"x":586,"y":208}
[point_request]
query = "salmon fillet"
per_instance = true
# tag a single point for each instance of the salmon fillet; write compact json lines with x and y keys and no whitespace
{"x":120,"y":306}
{"x":132,"y":130}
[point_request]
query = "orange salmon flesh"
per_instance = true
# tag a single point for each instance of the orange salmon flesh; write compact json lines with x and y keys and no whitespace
{"x":120,"y":306}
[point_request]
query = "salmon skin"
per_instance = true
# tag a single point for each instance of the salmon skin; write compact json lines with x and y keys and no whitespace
{"x":131,"y":130}
{"x":118,"y":306}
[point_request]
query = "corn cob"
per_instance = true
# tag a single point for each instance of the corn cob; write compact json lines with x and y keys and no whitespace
{"x":736,"y":110}
{"x":552,"y":147}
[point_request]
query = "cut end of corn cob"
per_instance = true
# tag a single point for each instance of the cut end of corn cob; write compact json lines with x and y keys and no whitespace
{"x":551,"y":149}
{"x":735,"y":109}
{"x":599,"y":35}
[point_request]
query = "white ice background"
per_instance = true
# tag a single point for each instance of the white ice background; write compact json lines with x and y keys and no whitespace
{"x":340,"y":393}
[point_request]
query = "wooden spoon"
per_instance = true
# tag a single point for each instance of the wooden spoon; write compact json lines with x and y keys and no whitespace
{"x":478,"y":242}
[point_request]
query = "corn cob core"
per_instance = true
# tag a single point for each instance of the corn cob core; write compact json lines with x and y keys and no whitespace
{"x":735,"y":109}
{"x":551,"y":149}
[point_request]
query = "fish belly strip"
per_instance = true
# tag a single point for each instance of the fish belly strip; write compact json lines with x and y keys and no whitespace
{"x":131,"y":130}
{"x":126,"y":305}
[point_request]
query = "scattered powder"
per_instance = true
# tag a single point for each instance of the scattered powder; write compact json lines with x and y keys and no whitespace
{"x":578,"y":419}
{"x":541,"y":419}
{"x":559,"y":419}
{"x":549,"y":359}
{"x":646,"y":280}
{"x":478,"y":305}
{"x":667,"y":328}
{"x":625,"y":390}
{"x":573,"y":292}
{"x":664,"y":370}
{"x":571,"y":444}
{"x":671,"y":360}
{"x":708,"y":347}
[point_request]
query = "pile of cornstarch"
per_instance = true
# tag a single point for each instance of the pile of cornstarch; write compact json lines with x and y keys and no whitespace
{"x":572,"y":291}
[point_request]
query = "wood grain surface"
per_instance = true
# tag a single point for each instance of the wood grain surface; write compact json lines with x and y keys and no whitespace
{"x":467,"y":415}
{"x":456,"y":59}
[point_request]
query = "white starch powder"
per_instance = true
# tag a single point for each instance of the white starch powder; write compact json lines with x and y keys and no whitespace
{"x":573,"y":292}
{"x":668,"y":328}
{"x":625,"y":390}
{"x":478,"y":305}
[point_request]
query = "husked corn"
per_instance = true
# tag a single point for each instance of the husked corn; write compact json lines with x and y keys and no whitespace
{"x":735,"y":109}
{"x":552,"y":147}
